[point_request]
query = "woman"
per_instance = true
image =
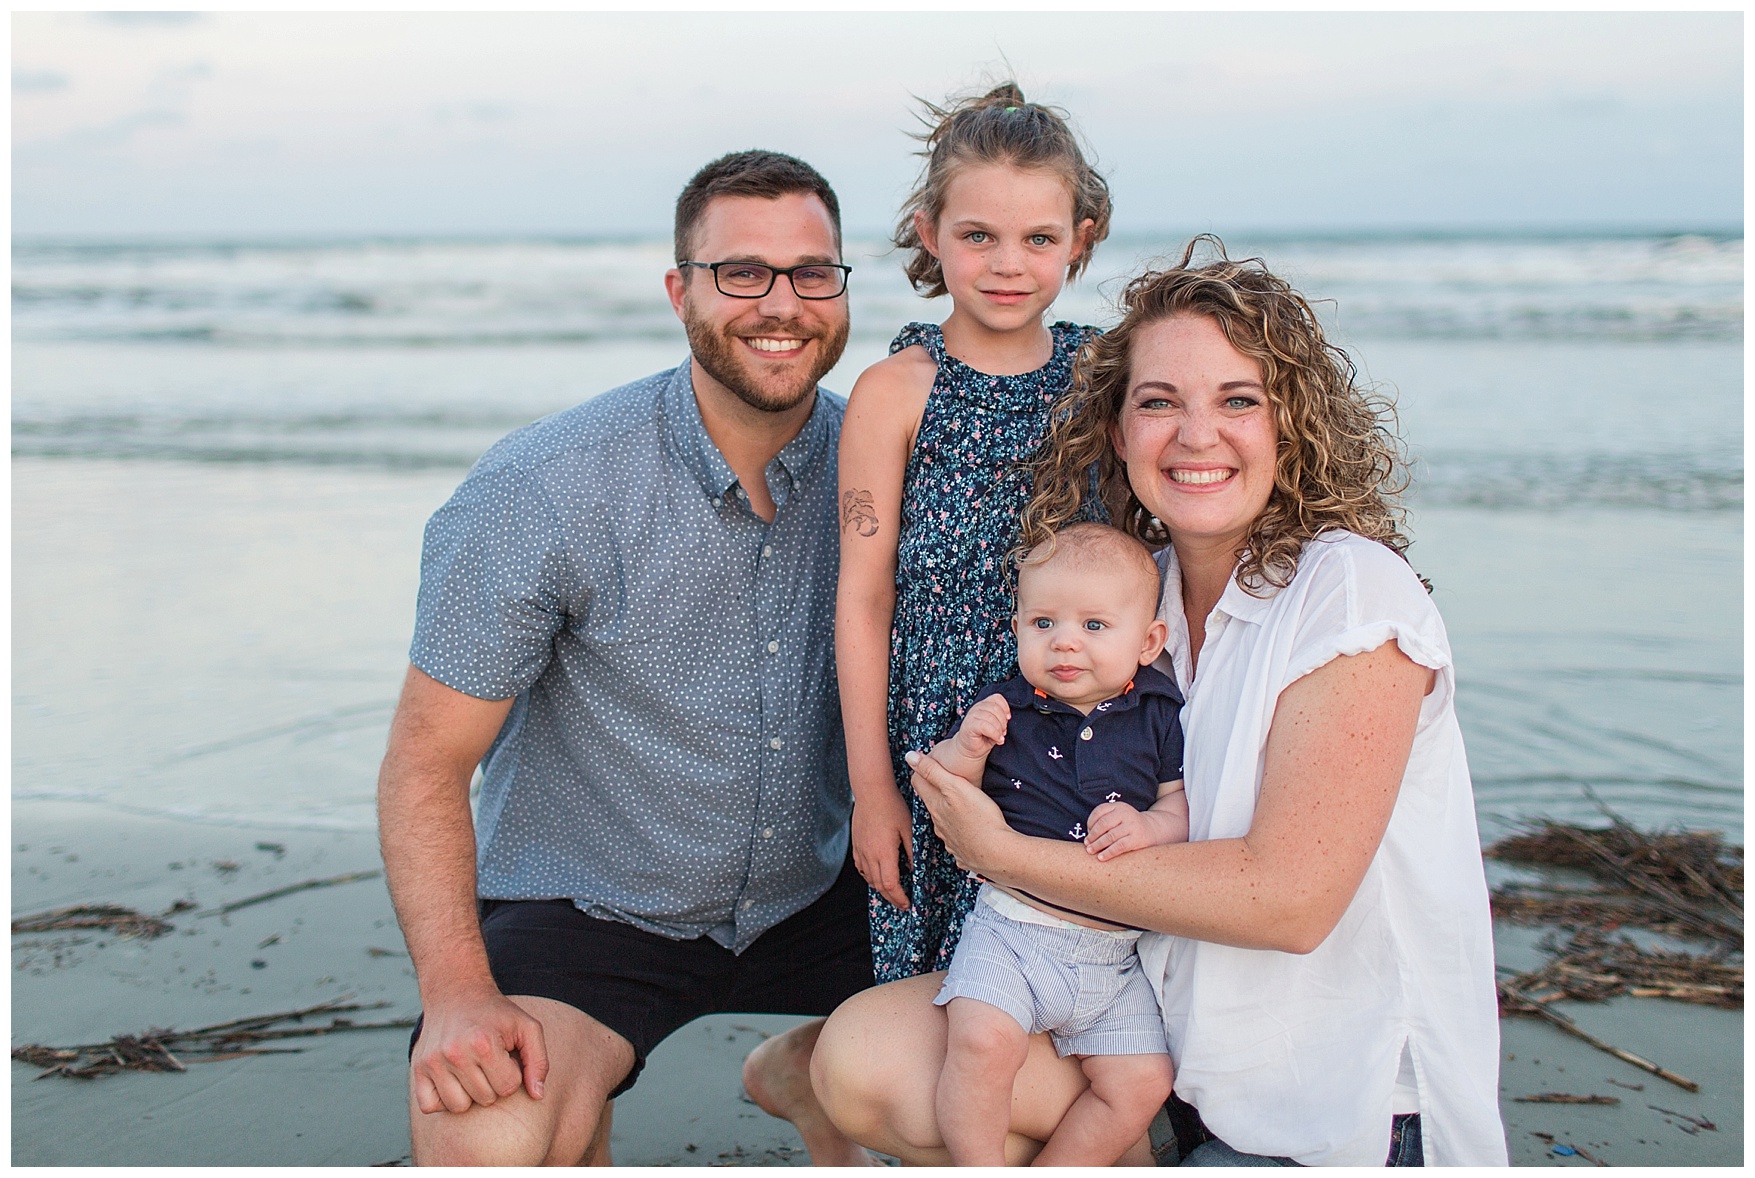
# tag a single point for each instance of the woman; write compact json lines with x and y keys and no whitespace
{"x":1322,"y":948}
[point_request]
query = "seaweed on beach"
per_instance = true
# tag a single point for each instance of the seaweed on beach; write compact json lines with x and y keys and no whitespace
{"x":164,"y":1050}
{"x":125,"y":922}
{"x":1594,"y":967}
{"x":1685,"y":883}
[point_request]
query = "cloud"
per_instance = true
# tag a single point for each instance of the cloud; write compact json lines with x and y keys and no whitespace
{"x":156,"y":20}
{"x":37,"y":81}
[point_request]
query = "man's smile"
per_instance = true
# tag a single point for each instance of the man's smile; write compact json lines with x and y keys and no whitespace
{"x":774,"y":345}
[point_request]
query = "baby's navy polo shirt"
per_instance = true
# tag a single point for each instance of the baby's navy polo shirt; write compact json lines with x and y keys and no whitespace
{"x":1056,"y":765}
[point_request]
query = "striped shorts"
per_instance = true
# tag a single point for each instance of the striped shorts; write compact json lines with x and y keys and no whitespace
{"x":1083,"y":986}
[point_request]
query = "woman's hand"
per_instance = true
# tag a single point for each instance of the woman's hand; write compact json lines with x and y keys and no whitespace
{"x":883,"y":831}
{"x":969,"y":822}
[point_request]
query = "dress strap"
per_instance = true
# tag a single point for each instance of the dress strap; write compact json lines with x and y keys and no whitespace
{"x":927,"y":335}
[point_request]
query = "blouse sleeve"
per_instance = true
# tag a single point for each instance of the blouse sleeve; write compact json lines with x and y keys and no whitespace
{"x":1359,"y":595}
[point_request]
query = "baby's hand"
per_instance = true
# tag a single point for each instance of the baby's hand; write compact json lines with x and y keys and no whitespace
{"x":983,"y":727}
{"x":1116,"y":828}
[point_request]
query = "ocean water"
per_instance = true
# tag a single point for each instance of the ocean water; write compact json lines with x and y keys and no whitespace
{"x":224,"y":454}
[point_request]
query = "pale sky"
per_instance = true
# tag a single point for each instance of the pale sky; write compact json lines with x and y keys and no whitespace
{"x":587,"y":123}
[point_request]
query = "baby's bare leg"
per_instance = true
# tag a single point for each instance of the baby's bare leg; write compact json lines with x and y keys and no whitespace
{"x":1126,"y":1092}
{"x":974,"y":1100}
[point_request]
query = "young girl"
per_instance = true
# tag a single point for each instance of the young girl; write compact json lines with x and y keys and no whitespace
{"x":932,"y":480}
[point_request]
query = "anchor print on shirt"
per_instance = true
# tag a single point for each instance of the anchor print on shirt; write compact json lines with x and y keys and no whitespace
{"x":1112,"y":796}
{"x":1054,"y":752}
{"x":1077,"y":831}
{"x":1016,"y":784}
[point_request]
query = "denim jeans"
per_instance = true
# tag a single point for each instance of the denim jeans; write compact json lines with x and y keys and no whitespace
{"x":1405,"y":1149}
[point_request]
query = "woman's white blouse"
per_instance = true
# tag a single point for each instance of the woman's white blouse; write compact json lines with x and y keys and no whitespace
{"x":1297,"y":1055}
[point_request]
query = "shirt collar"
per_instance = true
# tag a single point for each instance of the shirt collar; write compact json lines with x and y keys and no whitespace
{"x":1020,"y":693}
{"x":1233,"y":601}
{"x":688,"y":434}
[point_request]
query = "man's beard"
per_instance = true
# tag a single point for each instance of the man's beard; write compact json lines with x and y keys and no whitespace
{"x":726,"y":361}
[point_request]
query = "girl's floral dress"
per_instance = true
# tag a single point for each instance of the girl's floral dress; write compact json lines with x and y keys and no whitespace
{"x":961,"y":494}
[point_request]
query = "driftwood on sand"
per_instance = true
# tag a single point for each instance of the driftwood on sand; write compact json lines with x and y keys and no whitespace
{"x":165,"y":1050}
{"x":1685,"y":884}
{"x":124,"y":922}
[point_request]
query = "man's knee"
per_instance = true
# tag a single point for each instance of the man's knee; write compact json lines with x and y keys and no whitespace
{"x":503,"y":1134}
{"x":587,"y":1061}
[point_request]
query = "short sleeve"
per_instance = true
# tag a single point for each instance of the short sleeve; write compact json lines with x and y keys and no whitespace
{"x":1170,"y":743}
{"x":1358,"y":595}
{"x":494,"y":586}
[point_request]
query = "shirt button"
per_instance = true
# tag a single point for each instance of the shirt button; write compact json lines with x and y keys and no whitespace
{"x":1085,"y":735}
{"x":767,"y":550}
{"x":718,"y":502}
{"x":741,"y":494}
{"x":776,"y":743}
{"x":773,"y":648}
{"x":768,"y":832}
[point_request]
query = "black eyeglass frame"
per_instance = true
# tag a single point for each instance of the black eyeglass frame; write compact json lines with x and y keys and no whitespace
{"x":774,"y":275}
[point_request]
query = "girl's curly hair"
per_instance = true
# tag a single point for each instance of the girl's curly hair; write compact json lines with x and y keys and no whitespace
{"x":1339,"y":465}
{"x":999,"y":127}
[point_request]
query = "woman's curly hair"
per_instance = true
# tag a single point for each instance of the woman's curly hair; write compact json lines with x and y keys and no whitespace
{"x":1339,"y":465}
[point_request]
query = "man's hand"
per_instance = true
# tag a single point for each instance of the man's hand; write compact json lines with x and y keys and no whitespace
{"x":883,"y":832}
{"x":1116,"y":828}
{"x":475,"y":1049}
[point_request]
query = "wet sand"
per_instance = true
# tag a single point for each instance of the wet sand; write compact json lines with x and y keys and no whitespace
{"x":225,"y":642}
{"x":340,"y":1100}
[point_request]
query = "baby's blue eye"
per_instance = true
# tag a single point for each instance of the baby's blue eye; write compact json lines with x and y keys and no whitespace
{"x":1042,"y":623}
{"x":1093,"y":624}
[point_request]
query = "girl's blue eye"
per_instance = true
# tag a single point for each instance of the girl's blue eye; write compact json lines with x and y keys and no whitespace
{"x":977,"y":238}
{"x":1041,"y":239}
{"x":1093,"y":624}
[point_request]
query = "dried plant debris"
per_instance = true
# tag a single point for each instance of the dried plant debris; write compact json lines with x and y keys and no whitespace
{"x":1686,"y":883}
{"x":1565,"y":1098}
{"x":114,"y":918}
{"x":1514,"y":1001}
{"x":1594,"y":966}
{"x":277,"y":893}
{"x":165,"y":1050}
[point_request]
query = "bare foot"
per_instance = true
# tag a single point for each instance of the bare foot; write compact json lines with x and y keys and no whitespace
{"x":777,"y":1077}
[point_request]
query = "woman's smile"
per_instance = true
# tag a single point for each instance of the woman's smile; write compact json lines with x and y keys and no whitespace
{"x":1197,"y":432}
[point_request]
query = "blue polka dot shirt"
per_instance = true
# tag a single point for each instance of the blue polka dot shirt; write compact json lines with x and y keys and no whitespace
{"x":673,"y":758}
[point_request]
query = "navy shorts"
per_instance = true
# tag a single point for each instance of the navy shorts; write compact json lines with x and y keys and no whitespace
{"x":643,"y":986}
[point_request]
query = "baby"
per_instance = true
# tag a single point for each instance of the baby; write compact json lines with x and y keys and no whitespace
{"x":1094,"y":755}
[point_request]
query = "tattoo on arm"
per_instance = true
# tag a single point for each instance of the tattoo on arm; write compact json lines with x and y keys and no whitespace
{"x":857,"y":513}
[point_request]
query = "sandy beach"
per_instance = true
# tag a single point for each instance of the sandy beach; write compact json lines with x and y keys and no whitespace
{"x":340,"y":1101}
{"x":215,"y":552}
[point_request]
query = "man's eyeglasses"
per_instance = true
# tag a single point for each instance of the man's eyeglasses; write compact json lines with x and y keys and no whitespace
{"x":752,"y":280}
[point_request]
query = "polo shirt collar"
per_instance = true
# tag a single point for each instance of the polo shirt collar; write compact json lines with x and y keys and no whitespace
{"x":688,"y":434}
{"x":1020,"y":693}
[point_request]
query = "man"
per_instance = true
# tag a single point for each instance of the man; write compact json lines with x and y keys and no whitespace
{"x":625,"y":618}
